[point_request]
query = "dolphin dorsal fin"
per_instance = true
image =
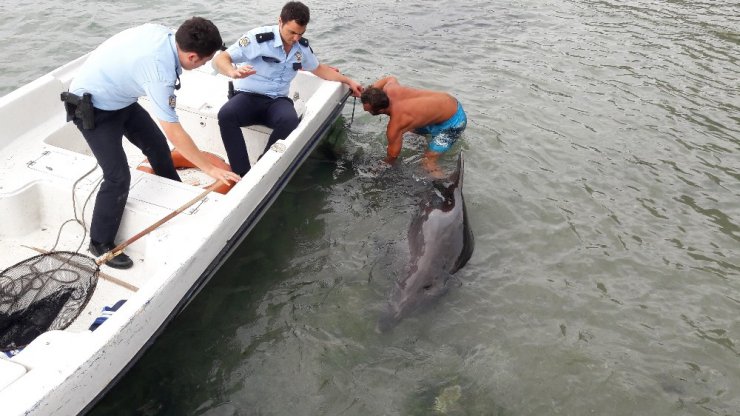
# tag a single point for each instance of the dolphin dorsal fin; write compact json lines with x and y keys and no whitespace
{"x":457,"y":176}
{"x":455,"y":179}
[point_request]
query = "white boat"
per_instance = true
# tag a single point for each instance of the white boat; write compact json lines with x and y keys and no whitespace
{"x":64,"y":372}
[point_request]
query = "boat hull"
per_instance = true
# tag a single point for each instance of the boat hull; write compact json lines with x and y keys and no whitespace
{"x":66,"y":372}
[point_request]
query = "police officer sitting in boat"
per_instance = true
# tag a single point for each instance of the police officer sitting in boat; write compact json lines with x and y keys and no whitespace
{"x":273,"y":55}
{"x":102,"y":101}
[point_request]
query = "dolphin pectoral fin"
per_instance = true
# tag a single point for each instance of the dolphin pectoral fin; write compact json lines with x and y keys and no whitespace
{"x":449,"y":278}
{"x":386,"y":322}
{"x":457,"y":279}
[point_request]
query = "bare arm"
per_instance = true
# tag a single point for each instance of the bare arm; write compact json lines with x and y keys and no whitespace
{"x":225,"y":66}
{"x":325,"y":72}
{"x":400,"y":122}
{"x":381,"y":83}
{"x":184,"y":143}
{"x":395,"y":142}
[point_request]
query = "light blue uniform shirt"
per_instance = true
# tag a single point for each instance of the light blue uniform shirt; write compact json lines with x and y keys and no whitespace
{"x":275,"y":69}
{"x":141,"y":61}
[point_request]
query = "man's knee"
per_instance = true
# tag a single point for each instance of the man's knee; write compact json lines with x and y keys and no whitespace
{"x":118,"y":178}
{"x":286,"y":115}
{"x":290,"y":121}
{"x":283,"y":123}
{"x":281,"y":128}
{"x":229,"y":113}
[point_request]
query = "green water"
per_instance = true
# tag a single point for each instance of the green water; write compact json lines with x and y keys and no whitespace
{"x":603,"y":186}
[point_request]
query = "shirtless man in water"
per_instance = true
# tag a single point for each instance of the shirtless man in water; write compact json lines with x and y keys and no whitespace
{"x":420,"y":111}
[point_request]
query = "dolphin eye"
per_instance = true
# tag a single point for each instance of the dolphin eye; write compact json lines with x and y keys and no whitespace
{"x":427,"y":287}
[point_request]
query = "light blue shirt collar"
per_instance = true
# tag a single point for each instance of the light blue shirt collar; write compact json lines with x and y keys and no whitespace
{"x":278,"y":41}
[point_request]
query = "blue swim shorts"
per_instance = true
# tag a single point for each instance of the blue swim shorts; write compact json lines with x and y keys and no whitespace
{"x":446,"y":133}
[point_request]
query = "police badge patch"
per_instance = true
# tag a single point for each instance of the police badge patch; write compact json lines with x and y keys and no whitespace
{"x":173,"y":101}
{"x":298,"y":56}
{"x":243,"y":41}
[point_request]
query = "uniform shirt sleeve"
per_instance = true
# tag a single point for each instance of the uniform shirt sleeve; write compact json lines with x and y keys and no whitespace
{"x":244,"y":49}
{"x":157,"y":81}
{"x":310,"y":62}
{"x":162,"y":96}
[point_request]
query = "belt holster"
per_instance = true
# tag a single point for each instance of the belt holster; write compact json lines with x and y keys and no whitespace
{"x":79,"y":108}
{"x":231,"y":90}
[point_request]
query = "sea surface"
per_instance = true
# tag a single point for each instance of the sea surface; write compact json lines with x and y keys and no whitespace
{"x":602,"y":181}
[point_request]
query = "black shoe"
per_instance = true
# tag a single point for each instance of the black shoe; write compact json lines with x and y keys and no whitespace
{"x":120,"y":261}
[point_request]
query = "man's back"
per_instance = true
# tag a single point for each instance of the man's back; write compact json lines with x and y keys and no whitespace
{"x":116,"y":72}
{"x":416,"y":108}
{"x":437,"y":114}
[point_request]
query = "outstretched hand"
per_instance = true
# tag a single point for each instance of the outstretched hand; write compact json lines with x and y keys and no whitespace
{"x":242,"y":72}
{"x":356,"y":88}
{"x":373,"y":169}
{"x":224,"y":176}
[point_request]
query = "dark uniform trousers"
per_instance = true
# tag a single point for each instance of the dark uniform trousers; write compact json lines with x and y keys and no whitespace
{"x":247,"y":109}
{"x":106,"y":143}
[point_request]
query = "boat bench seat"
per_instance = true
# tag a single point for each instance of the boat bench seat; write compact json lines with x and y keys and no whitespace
{"x":212,"y":93}
{"x":208,"y":107}
{"x":197,"y":109}
{"x":9,"y":372}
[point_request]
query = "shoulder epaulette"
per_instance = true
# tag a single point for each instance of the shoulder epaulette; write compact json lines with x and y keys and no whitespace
{"x":264,"y":37}
{"x":304,"y":43}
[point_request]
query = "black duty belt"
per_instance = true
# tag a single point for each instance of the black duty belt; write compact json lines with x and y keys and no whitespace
{"x":79,"y":108}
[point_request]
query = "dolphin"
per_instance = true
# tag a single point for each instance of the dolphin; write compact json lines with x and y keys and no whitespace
{"x":440,"y":243}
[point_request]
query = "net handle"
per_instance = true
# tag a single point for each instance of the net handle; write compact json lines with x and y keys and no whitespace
{"x":119,"y":248}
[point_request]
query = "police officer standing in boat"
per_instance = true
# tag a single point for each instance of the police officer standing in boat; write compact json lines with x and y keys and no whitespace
{"x":273,"y":55}
{"x":102,"y":101}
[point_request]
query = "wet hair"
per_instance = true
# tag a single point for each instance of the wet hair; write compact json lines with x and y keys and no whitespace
{"x":199,"y":35}
{"x":376,"y":97}
{"x":295,"y":10}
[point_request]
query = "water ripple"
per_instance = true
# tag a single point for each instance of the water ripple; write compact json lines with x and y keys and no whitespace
{"x":602,"y":181}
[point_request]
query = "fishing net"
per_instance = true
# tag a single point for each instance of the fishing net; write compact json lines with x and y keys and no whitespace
{"x":48,"y":291}
{"x":43,"y":293}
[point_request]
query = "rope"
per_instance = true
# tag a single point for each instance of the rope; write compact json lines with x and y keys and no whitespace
{"x":353,"y":112}
{"x":80,"y":221}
